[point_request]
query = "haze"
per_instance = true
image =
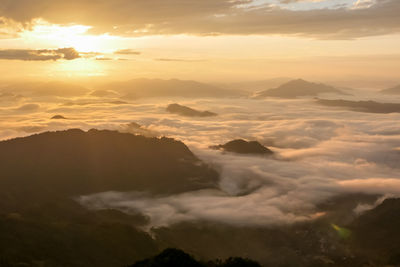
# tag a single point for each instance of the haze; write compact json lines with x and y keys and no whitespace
{"x":261,"y":129}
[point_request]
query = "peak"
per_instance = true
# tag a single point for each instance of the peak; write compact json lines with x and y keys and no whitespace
{"x":58,"y":117}
{"x":299,"y":81}
{"x":187,"y":111}
{"x":244,"y":147}
{"x":299,"y":88}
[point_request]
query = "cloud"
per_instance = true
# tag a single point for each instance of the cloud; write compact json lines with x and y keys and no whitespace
{"x":9,"y":28}
{"x":127,"y":52}
{"x":211,"y":17}
{"x":28,"y":108}
{"x":32,"y":128}
{"x":135,"y":128}
{"x":204,"y":205}
{"x":39,"y":55}
{"x":298,"y":1}
{"x":104,"y":58}
{"x":177,"y":60}
{"x":363,"y":4}
{"x":373,"y":185}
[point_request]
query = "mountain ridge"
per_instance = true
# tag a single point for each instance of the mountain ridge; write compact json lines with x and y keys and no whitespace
{"x":297,"y":88}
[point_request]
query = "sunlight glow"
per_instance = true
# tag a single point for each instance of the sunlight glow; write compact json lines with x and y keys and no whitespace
{"x":75,"y":36}
{"x":79,"y":68}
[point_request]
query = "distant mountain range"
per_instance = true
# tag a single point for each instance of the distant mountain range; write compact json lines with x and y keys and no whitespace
{"x":143,"y":87}
{"x":138,"y":88}
{"x":251,"y":86}
{"x":393,"y":91}
{"x":362,"y":106}
{"x":298,"y":88}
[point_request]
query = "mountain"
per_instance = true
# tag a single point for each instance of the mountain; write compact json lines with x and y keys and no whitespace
{"x":244,"y":147}
{"x":362,"y":106}
{"x":138,"y":88}
{"x":392,"y":91}
{"x":60,"y":232}
{"x":75,"y":162}
{"x":177,"y":258}
{"x":189,"y":112}
{"x":298,"y":88}
{"x":376,"y":233}
{"x":58,"y":117}
{"x":41,"y":223}
{"x":251,"y":86}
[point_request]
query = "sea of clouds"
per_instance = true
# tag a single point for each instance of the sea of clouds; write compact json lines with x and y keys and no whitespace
{"x":320,"y":152}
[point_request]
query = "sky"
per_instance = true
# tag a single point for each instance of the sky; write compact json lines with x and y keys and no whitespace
{"x":209,"y":40}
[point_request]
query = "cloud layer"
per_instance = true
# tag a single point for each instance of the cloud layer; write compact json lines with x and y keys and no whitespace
{"x":320,"y":152}
{"x":39,"y":55}
{"x":210,"y":17}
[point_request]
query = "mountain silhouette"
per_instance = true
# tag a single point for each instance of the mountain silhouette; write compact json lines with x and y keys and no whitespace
{"x":138,"y":88}
{"x":189,"y":112}
{"x":75,"y":162}
{"x":376,"y":233}
{"x":172,"y":257}
{"x":298,"y":88}
{"x":393,"y":91}
{"x":258,"y":85}
{"x":244,"y":147}
{"x":362,"y":106}
{"x":58,"y":117}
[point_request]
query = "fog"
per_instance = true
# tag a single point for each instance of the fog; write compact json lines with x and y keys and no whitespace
{"x":319,"y":152}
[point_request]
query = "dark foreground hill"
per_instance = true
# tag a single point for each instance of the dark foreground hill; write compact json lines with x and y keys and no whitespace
{"x":177,"y":258}
{"x":298,"y":88}
{"x":75,"y":162}
{"x":42,"y":225}
{"x":189,"y":112}
{"x":244,"y":147}
{"x":377,"y":233}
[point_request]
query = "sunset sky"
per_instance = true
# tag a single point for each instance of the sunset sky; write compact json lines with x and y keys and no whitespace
{"x":209,"y":40}
{"x":262,"y":129}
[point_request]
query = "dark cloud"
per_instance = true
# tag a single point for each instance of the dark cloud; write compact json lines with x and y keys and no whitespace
{"x":210,"y":17}
{"x":39,"y":55}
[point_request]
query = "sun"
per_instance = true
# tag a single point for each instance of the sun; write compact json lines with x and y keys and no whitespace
{"x":75,"y":36}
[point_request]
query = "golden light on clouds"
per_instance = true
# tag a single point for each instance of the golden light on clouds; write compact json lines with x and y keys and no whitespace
{"x":206,"y":40}
{"x":79,"y":68}
{"x":75,"y":36}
